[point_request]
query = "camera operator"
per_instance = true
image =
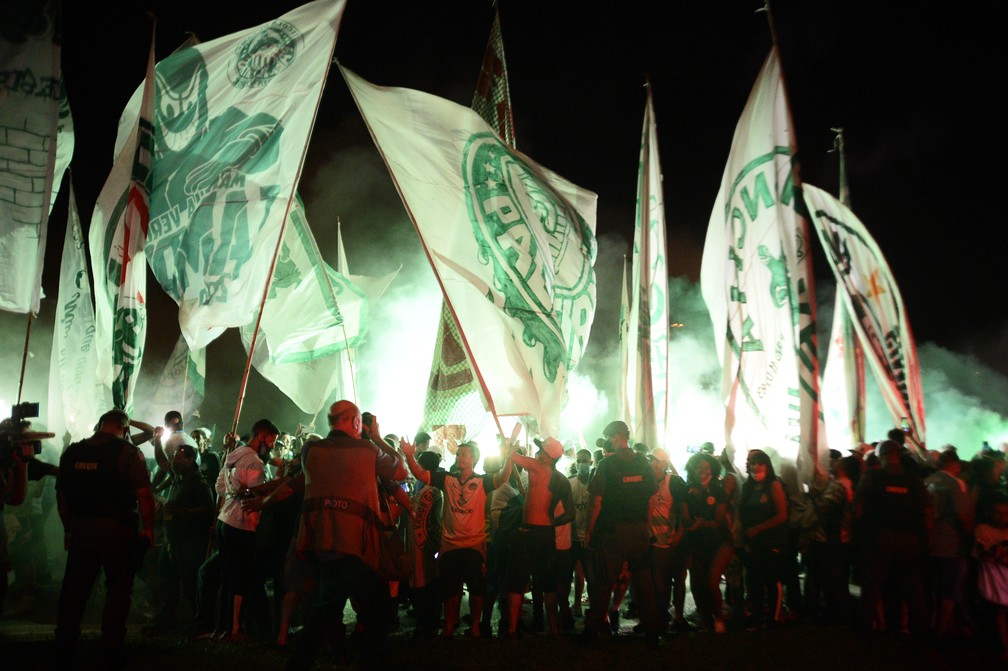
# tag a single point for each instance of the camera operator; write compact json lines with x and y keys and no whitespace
{"x":103,"y":483}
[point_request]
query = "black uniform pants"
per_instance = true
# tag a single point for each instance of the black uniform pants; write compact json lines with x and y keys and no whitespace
{"x":97,"y":544}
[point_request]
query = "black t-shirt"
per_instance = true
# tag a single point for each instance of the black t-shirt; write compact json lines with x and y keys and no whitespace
{"x":892,"y":499}
{"x":210,"y":465}
{"x":626,"y":482}
{"x":99,"y":477}
{"x":189,"y":492}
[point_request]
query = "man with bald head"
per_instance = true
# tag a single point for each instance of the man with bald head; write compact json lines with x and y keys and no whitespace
{"x":341,"y":505}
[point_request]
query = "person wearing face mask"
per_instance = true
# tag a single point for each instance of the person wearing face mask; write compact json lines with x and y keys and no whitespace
{"x":236,"y":525}
{"x":763,"y":513}
{"x":708,"y":538}
{"x":668,"y":567}
{"x":581,"y":499}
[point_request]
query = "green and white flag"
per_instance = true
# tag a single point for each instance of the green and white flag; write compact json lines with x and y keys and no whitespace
{"x":872,"y":297}
{"x":233,"y":119}
{"x":182,"y":385}
{"x":36,"y":144}
{"x":346,"y":373}
{"x":312,"y":315}
{"x":756,"y":279}
{"x":843,"y":375}
{"x":453,"y":393}
{"x":647,"y":390}
{"x":512,"y":243}
{"x":118,"y":234}
{"x":76,"y":396}
{"x":373,"y":288}
{"x":622,"y":391}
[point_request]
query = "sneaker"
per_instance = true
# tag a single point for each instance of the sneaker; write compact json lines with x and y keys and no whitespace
{"x":683,"y":627}
{"x":719,"y":626}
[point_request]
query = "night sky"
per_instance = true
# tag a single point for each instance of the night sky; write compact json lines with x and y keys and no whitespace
{"x":914,"y":90}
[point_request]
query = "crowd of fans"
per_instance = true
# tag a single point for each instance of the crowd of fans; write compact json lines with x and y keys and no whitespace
{"x":245,"y":541}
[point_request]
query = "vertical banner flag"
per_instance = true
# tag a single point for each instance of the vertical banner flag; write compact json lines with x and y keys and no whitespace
{"x":182,"y":385}
{"x":871,"y":296}
{"x":76,"y":395}
{"x":843,"y":377}
{"x":648,"y":364}
{"x":453,"y":393}
{"x":312,"y":314}
{"x":622,"y":393}
{"x":512,"y":243}
{"x":231,"y":125}
{"x":118,"y":234}
{"x":756,"y":279}
{"x":842,"y":386}
{"x":36,"y":143}
{"x":346,"y":374}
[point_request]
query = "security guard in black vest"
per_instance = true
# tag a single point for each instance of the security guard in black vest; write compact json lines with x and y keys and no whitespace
{"x":103,"y":483}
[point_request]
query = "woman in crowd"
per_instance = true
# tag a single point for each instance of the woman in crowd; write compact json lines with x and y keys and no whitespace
{"x":763,"y":513}
{"x":705,"y":515}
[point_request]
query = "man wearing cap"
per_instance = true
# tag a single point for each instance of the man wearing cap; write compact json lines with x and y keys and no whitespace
{"x":618,"y":531}
{"x":893,"y":520}
{"x":423,"y":543}
{"x":422,"y":442}
{"x":861,"y":450}
{"x":668,"y":566}
{"x":534,"y":543}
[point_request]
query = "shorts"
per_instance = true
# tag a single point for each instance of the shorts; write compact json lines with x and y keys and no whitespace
{"x":628,"y":543}
{"x":533,"y":553}
{"x":463,"y":565}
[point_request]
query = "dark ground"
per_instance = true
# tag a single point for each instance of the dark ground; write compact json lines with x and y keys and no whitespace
{"x":26,"y":643}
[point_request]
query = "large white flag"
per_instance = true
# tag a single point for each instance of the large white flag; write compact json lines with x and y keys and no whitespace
{"x":372,"y":288}
{"x":842,"y":386}
{"x":346,"y":373}
{"x":76,"y":396}
{"x":118,"y":234}
{"x":872,"y":297}
{"x":756,"y":279}
{"x":233,"y":119}
{"x":36,"y":144}
{"x":511,"y":243}
{"x":454,"y":396}
{"x":312,"y":315}
{"x":622,"y":391}
{"x":648,"y":364}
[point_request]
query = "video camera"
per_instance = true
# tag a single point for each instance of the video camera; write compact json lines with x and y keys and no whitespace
{"x":14,"y":434}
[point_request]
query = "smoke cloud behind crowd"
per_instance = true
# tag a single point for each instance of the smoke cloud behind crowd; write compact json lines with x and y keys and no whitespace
{"x":965,"y":400}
